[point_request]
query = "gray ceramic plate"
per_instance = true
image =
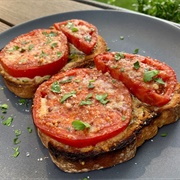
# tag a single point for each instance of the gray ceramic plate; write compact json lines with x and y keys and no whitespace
{"x":157,"y":158}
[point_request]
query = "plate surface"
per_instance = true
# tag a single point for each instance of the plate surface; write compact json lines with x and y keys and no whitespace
{"x":157,"y":158}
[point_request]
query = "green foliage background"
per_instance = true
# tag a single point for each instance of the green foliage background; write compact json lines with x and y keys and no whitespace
{"x":165,"y":9}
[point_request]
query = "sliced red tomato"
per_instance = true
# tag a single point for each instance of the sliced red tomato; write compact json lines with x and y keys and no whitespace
{"x":81,"y":34}
{"x":85,"y":98}
{"x":37,"y":53}
{"x":150,"y":80}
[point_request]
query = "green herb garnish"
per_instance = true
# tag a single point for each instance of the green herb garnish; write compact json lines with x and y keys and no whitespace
{"x":31,"y":46}
{"x":114,"y":67}
{"x":66,"y":80}
{"x":160,"y":81}
{"x":59,"y":54}
{"x":88,"y":38}
{"x":15,"y":48}
{"x":102,"y":98}
{"x":55,"y":87}
{"x":77,"y":80}
{"x":24,"y":102}
{"x":164,"y":134}
{"x":29,"y":129}
{"x":149,"y":75}
{"x":122,"y":69}
{"x":70,"y":25}
{"x":17,"y":132}
{"x":53,"y":45}
{"x":16,"y":152}
{"x":16,"y":141}
{"x":90,"y":85}
{"x":87,"y":100}
{"x":108,"y":49}
{"x":66,"y":96}
{"x":4,"y":108}
{"x":136,"y":51}
{"x":43,"y":54}
{"x":123,"y":118}
{"x":8,"y":121}
{"x":74,"y":29}
{"x":118,"y":56}
{"x":51,"y":34}
{"x":80,"y":125}
{"x":136,"y":65}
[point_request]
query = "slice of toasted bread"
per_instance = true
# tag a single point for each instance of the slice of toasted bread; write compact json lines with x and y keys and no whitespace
{"x":144,"y":125}
{"x":26,"y":87}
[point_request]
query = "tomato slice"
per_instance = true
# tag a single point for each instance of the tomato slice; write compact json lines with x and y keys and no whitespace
{"x":81,"y":34}
{"x":37,"y":53}
{"x":84,"y":95}
{"x":150,"y":80}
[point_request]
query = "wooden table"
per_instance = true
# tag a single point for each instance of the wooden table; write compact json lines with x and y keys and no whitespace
{"x":14,"y":12}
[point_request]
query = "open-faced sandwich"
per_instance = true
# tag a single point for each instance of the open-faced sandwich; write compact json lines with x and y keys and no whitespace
{"x":91,"y":119}
{"x":92,"y":108}
{"x":34,"y":57}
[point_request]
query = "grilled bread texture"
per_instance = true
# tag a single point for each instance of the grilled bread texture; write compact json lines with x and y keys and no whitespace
{"x":25,"y":87}
{"x":145,"y":122}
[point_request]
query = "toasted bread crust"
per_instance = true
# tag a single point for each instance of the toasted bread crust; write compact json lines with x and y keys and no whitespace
{"x":21,"y":90}
{"x":22,"y":87}
{"x":27,"y":88}
{"x":144,"y":125}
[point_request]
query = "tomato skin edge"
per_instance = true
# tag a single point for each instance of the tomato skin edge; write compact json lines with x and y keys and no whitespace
{"x":31,"y":72}
{"x":80,"y":143}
